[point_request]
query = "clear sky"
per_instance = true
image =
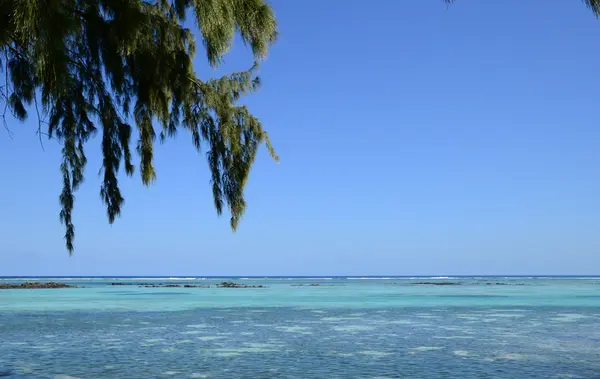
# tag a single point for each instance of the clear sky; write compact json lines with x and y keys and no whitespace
{"x":415,"y":138}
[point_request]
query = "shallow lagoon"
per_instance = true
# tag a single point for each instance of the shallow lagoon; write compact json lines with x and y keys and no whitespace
{"x":343,"y":328}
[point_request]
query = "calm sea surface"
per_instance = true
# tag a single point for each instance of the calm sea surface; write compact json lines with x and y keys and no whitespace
{"x":483,"y":327}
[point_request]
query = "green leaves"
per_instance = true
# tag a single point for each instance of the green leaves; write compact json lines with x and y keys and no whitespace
{"x":17,"y":107}
{"x":594,"y":5}
{"x":218,"y":21}
{"x":91,"y":61}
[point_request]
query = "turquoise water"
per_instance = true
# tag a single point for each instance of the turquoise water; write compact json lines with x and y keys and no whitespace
{"x":343,"y":328}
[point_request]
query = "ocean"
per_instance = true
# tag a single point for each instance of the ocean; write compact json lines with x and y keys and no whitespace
{"x":336,"y":327}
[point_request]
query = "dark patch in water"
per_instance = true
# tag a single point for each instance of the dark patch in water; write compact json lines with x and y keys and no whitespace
{"x":154,"y":294}
{"x":397,"y":295}
{"x":392,"y":295}
{"x":5,"y":372}
{"x":472,"y":296}
{"x":124,"y":293}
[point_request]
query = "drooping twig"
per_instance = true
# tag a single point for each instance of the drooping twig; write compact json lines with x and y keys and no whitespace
{"x":5,"y":124}
{"x":3,"y":93}
{"x":40,"y":121}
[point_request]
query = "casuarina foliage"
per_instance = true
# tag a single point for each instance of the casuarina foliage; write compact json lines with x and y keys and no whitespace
{"x":108,"y":66}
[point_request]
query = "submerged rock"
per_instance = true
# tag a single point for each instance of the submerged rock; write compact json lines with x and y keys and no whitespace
{"x":161,"y":285}
{"x":469,"y":283}
{"x":308,"y":285}
{"x":236,"y":285}
{"x":35,"y":285}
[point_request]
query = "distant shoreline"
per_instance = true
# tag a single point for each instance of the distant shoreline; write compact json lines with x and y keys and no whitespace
{"x":313,"y":277}
{"x":35,"y":285}
{"x":316,"y":282}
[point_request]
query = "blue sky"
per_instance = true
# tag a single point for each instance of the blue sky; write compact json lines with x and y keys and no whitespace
{"x":415,"y":138}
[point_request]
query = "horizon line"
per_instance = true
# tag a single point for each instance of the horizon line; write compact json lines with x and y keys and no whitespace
{"x":301,"y":276}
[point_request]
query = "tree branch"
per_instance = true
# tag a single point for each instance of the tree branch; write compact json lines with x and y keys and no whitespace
{"x":39,"y":129}
{"x":4,"y":93}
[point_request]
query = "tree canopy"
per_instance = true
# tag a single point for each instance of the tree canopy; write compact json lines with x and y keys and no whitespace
{"x":118,"y":64}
